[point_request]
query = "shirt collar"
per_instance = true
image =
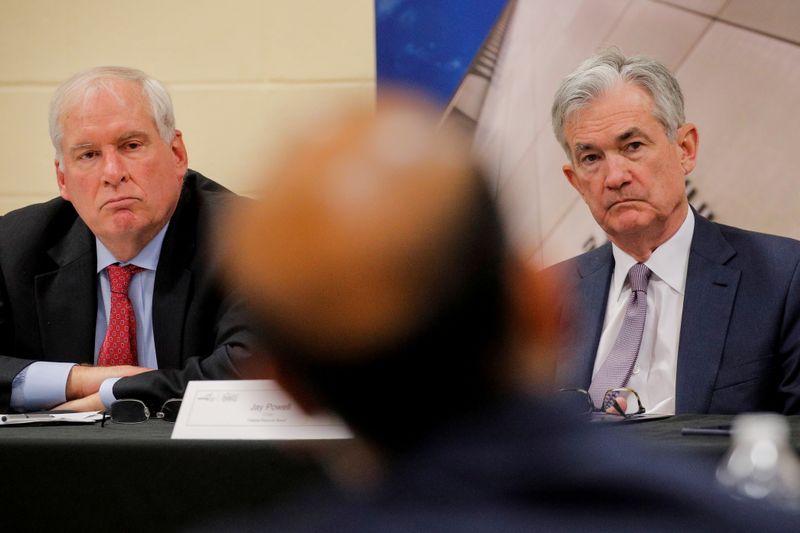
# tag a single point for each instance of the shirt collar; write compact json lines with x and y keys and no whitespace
{"x":668,"y":262}
{"x":147,"y":258}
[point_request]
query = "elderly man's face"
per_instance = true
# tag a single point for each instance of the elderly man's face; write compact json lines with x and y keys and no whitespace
{"x":120,"y":175}
{"x":629,"y":173}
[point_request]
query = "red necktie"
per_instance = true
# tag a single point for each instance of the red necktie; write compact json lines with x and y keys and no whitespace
{"x":119,"y":346}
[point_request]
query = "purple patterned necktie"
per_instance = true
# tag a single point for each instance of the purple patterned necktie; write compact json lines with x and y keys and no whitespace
{"x":617,"y":368}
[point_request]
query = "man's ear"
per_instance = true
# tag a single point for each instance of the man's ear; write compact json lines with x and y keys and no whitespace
{"x":688,"y":141}
{"x":61,"y":181}
{"x":572,"y":178}
{"x":179,"y":151}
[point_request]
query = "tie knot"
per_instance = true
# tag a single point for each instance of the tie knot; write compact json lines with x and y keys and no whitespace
{"x":120,"y":276}
{"x":639,"y":274}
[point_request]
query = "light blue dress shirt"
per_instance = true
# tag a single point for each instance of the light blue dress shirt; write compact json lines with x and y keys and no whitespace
{"x":42,"y":385}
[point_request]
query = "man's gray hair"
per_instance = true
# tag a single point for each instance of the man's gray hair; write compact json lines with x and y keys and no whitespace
{"x":100,"y":79}
{"x":608,"y":68}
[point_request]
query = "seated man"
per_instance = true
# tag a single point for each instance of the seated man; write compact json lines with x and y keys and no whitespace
{"x":115,"y":275}
{"x":717,"y":326}
{"x":384,"y":290}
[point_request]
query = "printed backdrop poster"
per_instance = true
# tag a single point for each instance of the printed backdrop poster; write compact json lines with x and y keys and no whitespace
{"x":738,"y":63}
{"x":429,"y":45}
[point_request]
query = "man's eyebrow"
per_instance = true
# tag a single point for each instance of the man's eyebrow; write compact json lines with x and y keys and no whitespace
{"x":76,"y":147}
{"x":632,"y":132}
{"x":131,"y":134}
{"x":622,"y":137}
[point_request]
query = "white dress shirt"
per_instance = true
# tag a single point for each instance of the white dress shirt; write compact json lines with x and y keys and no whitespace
{"x":654,"y":373}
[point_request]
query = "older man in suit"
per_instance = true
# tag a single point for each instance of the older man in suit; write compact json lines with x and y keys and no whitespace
{"x":110,"y":291}
{"x":715,"y":325}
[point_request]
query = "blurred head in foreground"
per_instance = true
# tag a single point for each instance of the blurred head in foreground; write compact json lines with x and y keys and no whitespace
{"x":383,"y":287}
{"x":377,"y":268}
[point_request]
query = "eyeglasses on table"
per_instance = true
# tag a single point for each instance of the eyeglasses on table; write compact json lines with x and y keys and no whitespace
{"x":621,"y":401}
{"x":130,"y":411}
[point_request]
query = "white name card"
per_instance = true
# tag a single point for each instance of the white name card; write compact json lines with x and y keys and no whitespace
{"x":249,"y":409}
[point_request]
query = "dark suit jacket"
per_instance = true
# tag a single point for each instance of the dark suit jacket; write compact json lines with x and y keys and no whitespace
{"x":523,"y":466}
{"x":739,"y":347}
{"x":48,"y":296}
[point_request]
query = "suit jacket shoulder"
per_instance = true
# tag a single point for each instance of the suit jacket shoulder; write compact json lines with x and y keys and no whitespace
{"x":739,"y":347}
{"x":34,"y":235}
{"x":721,"y":242}
{"x":583,"y":265}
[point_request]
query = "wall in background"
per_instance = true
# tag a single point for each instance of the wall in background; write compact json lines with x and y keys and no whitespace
{"x":242,"y":73}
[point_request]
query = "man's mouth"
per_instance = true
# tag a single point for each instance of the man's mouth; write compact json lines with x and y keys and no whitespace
{"x":120,"y":202}
{"x":623,"y":201}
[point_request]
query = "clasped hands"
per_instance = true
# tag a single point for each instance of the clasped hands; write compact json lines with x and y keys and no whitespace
{"x":83,"y":385}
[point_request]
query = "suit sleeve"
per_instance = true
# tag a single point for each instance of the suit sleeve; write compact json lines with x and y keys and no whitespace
{"x":230,"y":357}
{"x":789,"y":384}
{"x":9,"y":366}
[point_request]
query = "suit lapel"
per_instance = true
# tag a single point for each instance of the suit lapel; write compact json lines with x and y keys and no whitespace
{"x":173,"y":283}
{"x":710,"y":292}
{"x":170,"y":301}
{"x":66,"y":298}
{"x":584,"y":320}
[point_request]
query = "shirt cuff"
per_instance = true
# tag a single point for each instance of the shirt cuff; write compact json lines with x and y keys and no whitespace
{"x":40,"y":385}
{"x":107,"y":392}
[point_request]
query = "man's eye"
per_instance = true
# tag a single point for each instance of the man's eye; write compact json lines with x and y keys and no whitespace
{"x":132,"y":145}
{"x":589,"y":158}
{"x":86,"y":156}
{"x":634,"y":146}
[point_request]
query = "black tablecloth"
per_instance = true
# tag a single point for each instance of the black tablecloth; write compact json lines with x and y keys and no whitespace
{"x":667,"y":432}
{"x":134,"y":478}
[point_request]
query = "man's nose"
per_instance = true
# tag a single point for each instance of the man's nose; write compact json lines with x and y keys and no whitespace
{"x":617,"y":171}
{"x":114,"y":169}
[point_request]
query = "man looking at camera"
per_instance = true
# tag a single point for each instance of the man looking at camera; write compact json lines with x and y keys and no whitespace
{"x":109,"y":291}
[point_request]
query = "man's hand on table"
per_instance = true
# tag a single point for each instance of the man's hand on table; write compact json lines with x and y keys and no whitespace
{"x":84,"y":383}
{"x":88,"y":403}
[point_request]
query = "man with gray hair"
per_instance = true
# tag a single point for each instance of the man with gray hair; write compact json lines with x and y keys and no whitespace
{"x":110,"y":292}
{"x":697,"y":317}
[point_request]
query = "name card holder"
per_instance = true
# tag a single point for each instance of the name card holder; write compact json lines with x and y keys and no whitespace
{"x":249,"y":409}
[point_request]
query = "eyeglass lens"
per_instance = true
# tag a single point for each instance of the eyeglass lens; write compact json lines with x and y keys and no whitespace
{"x":624,"y":401}
{"x":129,"y":411}
{"x":169,"y":411}
{"x":576,"y":401}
